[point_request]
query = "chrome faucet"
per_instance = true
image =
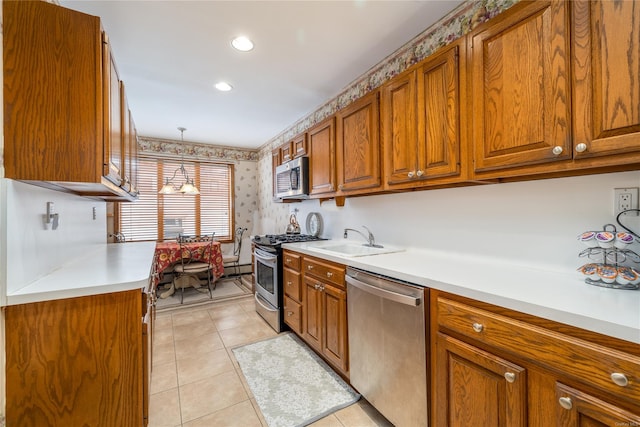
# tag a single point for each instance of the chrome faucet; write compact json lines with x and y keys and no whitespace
{"x":370,"y":239}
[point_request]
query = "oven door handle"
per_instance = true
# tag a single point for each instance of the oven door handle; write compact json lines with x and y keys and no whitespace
{"x":257,"y":297}
{"x":266,"y":256}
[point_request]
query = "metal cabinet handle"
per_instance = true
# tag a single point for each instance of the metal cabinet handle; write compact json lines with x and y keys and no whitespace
{"x":566,"y":403}
{"x":288,"y":260}
{"x":340,"y":187}
{"x":581,"y":148}
{"x":557,"y":150}
{"x":510,"y":377}
{"x":316,"y":286}
{"x":289,"y":283}
{"x":478,"y":327}
{"x":309,"y":267}
{"x":329,"y":274}
{"x":289,"y":313}
{"x":620,"y":379}
{"x":419,"y":173}
{"x":410,"y":174}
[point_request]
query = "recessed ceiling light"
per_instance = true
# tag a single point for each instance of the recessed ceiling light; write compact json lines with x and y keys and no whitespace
{"x":223,"y":86}
{"x":242,"y":44}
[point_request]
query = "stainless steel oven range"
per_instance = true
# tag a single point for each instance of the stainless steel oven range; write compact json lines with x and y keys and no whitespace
{"x":267,"y":266}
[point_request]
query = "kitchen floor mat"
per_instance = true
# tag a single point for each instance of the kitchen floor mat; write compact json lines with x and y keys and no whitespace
{"x":290,"y":383}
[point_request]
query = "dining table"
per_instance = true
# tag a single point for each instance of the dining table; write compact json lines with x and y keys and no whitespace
{"x":168,"y":253}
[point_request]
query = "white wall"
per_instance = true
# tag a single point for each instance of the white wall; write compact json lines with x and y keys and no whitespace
{"x":534,"y":222}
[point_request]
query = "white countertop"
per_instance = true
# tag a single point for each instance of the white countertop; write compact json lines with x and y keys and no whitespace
{"x":557,"y":296}
{"x":103,"y":269}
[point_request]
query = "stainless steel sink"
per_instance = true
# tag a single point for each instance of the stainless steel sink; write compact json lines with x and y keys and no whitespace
{"x":356,"y":249}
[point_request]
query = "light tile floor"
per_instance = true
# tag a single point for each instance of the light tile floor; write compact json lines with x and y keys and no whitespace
{"x":196,"y":381}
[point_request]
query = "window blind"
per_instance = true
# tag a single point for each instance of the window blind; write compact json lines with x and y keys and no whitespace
{"x":163,"y":216}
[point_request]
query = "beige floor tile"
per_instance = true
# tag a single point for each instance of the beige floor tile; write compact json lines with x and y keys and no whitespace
{"x":244,"y":320}
{"x":258,"y":411}
{"x":187,"y":317}
{"x":221,"y":311}
{"x":239,"y":415}
{"x":328,"y":421}
{"x":243,"y":380}
{"x":163,"y":320}
{"x":238,"y":336}
{"x":162,"y":335}
{"x":164,"y":409}
{"x":163,"y":353}
{"x":191,"y":330}
{"x":196,"y":346}
{"x":209,"y":395}
{"x":248,"y":305}
{"x":164,"y":377}
{"x":203,"y":366}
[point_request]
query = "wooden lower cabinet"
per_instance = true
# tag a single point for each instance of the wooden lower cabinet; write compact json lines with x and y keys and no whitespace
{"x":494,"y":367}
{"x":315,"y":304}
{"x":478,"y":388}
{"x":78,"y":362}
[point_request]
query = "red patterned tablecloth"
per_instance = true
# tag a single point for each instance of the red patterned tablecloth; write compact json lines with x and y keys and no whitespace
{"x":168,"y":253}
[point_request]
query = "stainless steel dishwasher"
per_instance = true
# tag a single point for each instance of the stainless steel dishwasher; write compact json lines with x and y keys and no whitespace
{"x":387,"y":349}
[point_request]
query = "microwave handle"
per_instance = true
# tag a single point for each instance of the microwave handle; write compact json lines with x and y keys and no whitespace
{"x":293,"y":172}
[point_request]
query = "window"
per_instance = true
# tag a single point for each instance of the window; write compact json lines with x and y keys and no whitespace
{"x":162,"y":216}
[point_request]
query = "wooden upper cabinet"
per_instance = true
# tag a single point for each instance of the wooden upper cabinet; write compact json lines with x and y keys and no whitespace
{"x":62,"y":106}
{"x":421,"y":115}
{"x":299,"y":145}
{"x":322,"y":158}
{"x":399,"y":128}
{"x":113,"y":120}
{"x":606,"y":66}
{"x":358,"y":153}
{"x":439,"y":134}
{"x":286,"y":152}
{"x":520,"y":72}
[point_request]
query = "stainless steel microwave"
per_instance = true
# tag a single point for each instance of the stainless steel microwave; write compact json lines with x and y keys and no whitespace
{"x":292,"y":179}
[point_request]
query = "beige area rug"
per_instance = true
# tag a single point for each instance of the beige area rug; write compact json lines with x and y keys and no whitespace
{"x":225,"y":289}
{"x":290,"y":383}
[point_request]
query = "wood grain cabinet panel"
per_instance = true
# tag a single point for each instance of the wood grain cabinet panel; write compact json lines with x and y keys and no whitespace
{"x":520,"y":72}
{"x":578,"y":409}
{"x":477,"y":388}
{"x":78,"y":361}
{"x":62,"y":101}
{"x":334,"y":327}
{"x":322,"y":158}
{"x":421,"y":113}
{"x":312,"y":313}
{"x":299,"y":144}
{"x":606,"y":67}
{"x":358,"y":146}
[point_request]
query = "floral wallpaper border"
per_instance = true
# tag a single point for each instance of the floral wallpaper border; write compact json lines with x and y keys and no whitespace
{"x":168,"y":147}
{"x":456,"y":24}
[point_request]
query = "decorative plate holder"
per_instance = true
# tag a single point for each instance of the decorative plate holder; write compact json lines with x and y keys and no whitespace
{"x":610,"y":259}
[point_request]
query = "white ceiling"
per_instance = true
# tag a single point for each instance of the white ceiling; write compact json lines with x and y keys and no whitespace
{"x":170,"y":53}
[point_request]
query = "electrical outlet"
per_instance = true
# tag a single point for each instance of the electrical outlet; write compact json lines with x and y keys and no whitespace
{"x":625,"y":199}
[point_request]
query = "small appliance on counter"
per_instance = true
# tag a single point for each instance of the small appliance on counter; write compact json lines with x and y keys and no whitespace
{"x":611,"y":249}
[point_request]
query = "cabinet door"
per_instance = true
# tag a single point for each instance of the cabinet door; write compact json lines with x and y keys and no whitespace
{"x":358,"y":146}
{"x":126,"y":140}
{"x":577,"y":409}
{"x":476,"y":388}
{"x":133,"y":155}
{"x":334,"y":337}
{"x":275,"y":162}
{"x":322,"y":158}
{"x":286,"y":152}
{"x":399,"y":128}
{"x":606,"y":66}
{"x":312,"y":313}
{"x":520,"y":87}
{"x":300,"y":145}
{"x":439,"y":137}
{"x":113,"y":120}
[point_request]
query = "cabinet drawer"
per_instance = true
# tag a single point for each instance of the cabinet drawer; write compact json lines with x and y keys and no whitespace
{"x":331,"y":273}
{"x":291,"y":280}
{"x":291,"y":260}
{"x":585,"y":361}
{"x":292,"y":314}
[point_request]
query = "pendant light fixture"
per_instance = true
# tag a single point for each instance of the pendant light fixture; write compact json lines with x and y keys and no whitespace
{"x":188,"y":187}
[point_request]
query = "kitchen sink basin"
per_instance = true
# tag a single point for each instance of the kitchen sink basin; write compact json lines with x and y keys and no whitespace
{"x":355,"y":250}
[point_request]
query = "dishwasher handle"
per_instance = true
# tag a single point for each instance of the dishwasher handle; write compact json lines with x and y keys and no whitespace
{"x":384,"y":293}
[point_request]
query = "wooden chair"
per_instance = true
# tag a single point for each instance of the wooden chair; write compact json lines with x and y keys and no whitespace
{"x":190,"y":265}
{"x":233,"y":259}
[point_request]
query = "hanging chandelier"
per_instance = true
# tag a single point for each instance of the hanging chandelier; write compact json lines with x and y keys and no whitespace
{"x":188,"y":186}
